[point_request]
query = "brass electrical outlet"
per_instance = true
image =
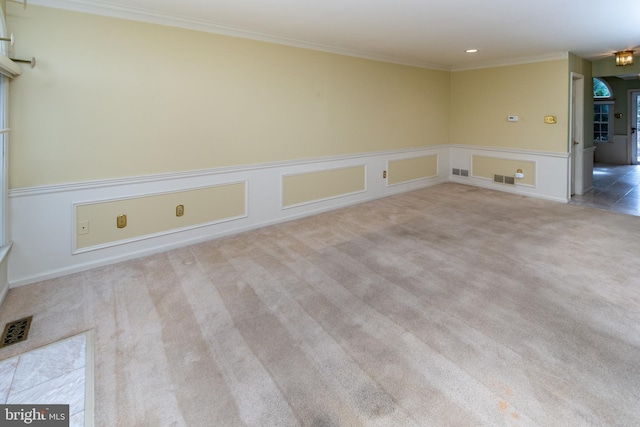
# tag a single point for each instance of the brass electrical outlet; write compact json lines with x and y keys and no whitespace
{"x":179,"y":210}
{"x":384,"y":174}
{"x":121,"y":221}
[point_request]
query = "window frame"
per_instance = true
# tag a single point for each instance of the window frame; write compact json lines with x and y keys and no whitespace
{"x":598,"y":101}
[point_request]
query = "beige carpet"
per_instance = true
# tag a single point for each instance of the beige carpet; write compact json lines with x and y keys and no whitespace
{"x":447,"y":306}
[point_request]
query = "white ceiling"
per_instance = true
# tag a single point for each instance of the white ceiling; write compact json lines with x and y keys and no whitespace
{"x":431,"y":33}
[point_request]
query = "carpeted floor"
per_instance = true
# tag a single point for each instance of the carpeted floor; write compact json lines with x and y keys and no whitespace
{"x":447,"y":306}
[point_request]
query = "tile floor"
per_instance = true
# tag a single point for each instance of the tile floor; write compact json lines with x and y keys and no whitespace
{"x":615,"y":188}
{"x":54,"y":374}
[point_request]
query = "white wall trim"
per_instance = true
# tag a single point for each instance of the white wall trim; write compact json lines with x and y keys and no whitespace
{"x":554,"y":56}
{"x":515,"y":151}
{"x":551,"y":171}
{"x":75,"y":250}
{"x":131,"y":13}
{"x":282,"y":205}
{"x":96,"y":7}
{"x":144,"y":179}
{"x":44,"y":242}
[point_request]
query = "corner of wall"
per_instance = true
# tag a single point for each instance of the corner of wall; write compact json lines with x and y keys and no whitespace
{"x":4,"y":272}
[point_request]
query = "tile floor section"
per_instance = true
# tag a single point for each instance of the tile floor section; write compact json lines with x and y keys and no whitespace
{"x":615,"y":188}
{"x":54,"y":374}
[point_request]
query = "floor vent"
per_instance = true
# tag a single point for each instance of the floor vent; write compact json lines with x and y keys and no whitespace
{"x":16,"y":331}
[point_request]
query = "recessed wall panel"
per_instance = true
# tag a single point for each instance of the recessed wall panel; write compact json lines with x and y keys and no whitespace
{"x":156,"y":213}
{"x":412,"y":169}
{"x":315,"y":186}
{"x":486,"y":167}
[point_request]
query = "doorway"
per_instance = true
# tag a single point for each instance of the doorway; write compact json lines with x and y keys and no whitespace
{"x":634,"y":125}
{"x":576,"y":138}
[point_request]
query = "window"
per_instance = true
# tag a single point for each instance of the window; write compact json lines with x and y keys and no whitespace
{"x":602,"y":111}
{"x":601,"y":122}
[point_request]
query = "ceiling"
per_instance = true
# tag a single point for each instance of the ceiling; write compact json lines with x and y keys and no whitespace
{"x":428,"y":33}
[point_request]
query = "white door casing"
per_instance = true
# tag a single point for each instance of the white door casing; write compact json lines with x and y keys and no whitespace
{"x":576,"y":135}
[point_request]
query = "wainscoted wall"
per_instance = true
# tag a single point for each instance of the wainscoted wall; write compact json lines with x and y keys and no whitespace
{"x":110,"y":120}
{"x":407,"y":170}
{"x":614,"y":152}
{"x":96,"y":222}
{"x":275,"y":192}
{"x":545,"y":173}
{"x":254,"y":196}
{"x":312,"y":187}
{"x":488,"y":167}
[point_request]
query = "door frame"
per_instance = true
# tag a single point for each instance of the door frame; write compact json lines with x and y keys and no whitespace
{"x":632,"y":122}
{"x":576,"y":135}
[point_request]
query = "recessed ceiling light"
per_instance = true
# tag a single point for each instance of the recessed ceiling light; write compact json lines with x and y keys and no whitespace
{"x":471,"y":50}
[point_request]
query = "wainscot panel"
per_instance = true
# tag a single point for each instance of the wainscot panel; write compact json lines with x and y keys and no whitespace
{"x":406,"y":170}
{"x":312,"y":187}
{"x":546,"y":174}
{"x":487,"y":167}
{"x":97,"y":222}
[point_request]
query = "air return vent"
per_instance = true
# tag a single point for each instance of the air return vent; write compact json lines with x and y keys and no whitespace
{"x":456,"y":171}
{"x":16,"y":331}
{"x":504,"y":179}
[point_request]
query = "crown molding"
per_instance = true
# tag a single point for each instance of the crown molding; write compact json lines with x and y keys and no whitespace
{"x":554,"y":56}
{"x":103,"y":8}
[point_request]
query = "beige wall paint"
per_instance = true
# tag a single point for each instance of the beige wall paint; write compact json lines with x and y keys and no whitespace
{"x":114,"y":98}
{"x":314,"y":186}
{"x":486,"y":167}
{"x":411,"y":169}
{"x":482,"y":99}
{"x":157,"y":213}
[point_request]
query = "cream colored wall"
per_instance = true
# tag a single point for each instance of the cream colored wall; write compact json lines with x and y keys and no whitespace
{"x":406,"y":170}
{"x":314,"y":186}
{"x":114,"y":98}
{"x":482,"y":99}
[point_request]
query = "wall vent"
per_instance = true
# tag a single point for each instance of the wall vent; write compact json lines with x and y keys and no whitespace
{"x":510,"y":180}
{"x":464,"y":172}
{"x":456,"y":171}
{"x":16,"y":331}
{"x":498,"y":178}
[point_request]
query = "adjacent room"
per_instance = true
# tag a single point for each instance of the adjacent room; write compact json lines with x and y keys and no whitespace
{"x":273,"y":213}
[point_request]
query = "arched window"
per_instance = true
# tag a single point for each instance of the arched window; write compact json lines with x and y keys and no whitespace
{"x":602,"y":111}
{"x":601,"y":89}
